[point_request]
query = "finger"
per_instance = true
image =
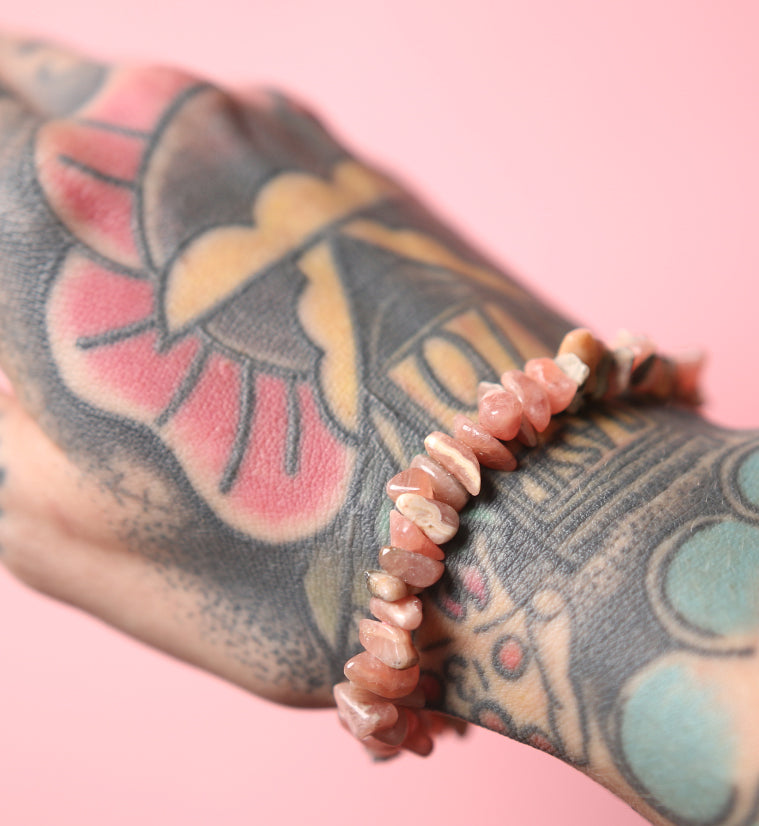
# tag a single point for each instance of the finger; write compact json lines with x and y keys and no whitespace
{"x":65,"y":536}
{"x":49,"y":80}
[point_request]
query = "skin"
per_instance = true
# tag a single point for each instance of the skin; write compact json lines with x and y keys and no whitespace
{"x":225,"y":334}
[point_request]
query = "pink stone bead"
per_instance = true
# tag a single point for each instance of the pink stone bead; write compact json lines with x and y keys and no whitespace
{"x":500,"y":413}
{"x":456,"y":457}
{"x":385,"y":586}
{"x":406,"y":613}
{"x":535,"y":406}
{"x":488,"y":450}
{"x":388,"y":643}
{"x":405,"y":534}
{"x":485,"y":387}
{"x":527,"y":435}
{"x":362,"y":711}
{"x":409,"y":481}
{"x":395,"y":735}
{"x":559,"y":388}
{"x":438,"y":520}
{"x":366,"y":671}
{"x":412,"y":568}
{"x":446,"y":488}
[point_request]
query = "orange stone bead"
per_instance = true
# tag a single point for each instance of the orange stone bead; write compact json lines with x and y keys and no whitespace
{"x":584,"y":345}
{"x":406,"y":613}
{"x":385,"y":586}
{"x":417,"y":740}
{"x":457,"y":458}
{"x":395,"y":735}
{"x":488,"y":450}
{"x":500,"y":413}
{"x":559,"y":388}
{"x":412,"y":480}
{"x":446,"y":488}
{"x":438,"y":520}
{"x":535,"y":405}
{"x":366,"y":671}
{"x":412,"y":568}
{"x":362,"y":711}
{"x":388,"y":643}
{"x":405,"y":534}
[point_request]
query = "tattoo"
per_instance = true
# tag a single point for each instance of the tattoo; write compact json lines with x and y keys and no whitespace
{"x":622,"y":600}
{"x":222,"y":300}
{"x":48,"y":79}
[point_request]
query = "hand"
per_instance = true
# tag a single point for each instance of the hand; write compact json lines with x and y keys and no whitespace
{"x":225,"y":334}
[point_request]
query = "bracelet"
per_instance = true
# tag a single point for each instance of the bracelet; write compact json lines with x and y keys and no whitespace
{"x":382,"y":702}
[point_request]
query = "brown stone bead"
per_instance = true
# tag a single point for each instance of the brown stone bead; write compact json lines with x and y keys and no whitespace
{"x":412,"y":568}
{"x":488,"y":450}
{"x":362,"y":711}
{"x":446,"y":488}
{"x":366,"y":671}
{"x":456,"y":457}
{"x":658,"y":381}
{"x":583,"y":344}
{"x":385,"y":586}
{"x":535,"y":405}
{"x":438,"y":520}
{"x":405,"y":613}
{"x":388,"y":643}
{"x":405,"y":534}
{"x":412,"y":480}
{"x":500,"y":413}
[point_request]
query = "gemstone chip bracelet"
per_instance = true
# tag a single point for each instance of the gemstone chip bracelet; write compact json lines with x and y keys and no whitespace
{"x":382,"y":702}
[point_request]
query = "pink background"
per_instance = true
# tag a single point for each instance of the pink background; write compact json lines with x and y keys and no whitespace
{"x":605,"y":151}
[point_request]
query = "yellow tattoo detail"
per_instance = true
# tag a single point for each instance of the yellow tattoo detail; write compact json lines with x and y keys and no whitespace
{"x":388,"y":432}
{"x":410,"y":379}
{"x":472,"y":328}
{"x":323,"y":310}
{"x":419,"y":247}
{"x":452,"y":369}
{"x":288,"y":211}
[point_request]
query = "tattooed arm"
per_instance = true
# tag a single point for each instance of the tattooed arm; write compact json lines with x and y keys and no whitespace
{"x":226,"y":332}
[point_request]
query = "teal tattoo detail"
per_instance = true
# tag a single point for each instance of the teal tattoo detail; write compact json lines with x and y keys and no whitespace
{"x":713,"y":580}
{"x":674,"y":729}
{"x":748,"y":478}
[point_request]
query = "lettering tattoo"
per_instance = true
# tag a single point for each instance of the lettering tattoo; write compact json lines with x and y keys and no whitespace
{"x":242,"y":331}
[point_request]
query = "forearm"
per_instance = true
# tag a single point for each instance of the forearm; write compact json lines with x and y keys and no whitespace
{"x":612,"y":619}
